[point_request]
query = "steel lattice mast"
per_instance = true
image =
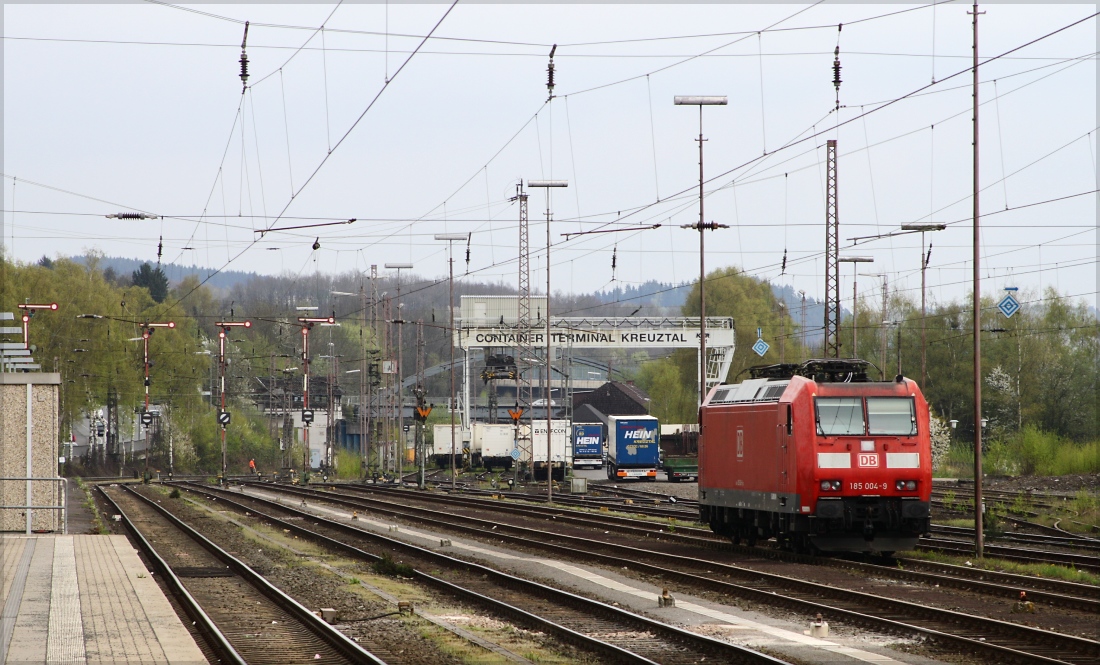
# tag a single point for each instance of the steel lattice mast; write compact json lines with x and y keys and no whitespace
{"x":832,"y":253}
{"x":525,"y":350}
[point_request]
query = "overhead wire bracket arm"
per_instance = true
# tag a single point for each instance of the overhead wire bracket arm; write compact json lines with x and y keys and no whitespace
{"x":632,"y":228}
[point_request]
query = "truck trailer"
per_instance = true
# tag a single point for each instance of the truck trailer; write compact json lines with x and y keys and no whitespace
{"x":495,"y":443}
{"x":633,"y":447}
{"x":588,"y":445}
{"x":560,"y":448}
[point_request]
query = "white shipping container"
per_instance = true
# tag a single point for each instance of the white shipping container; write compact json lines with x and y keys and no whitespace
{"x":493,"y":440}
{"x":561,"y":448}
{"x":441,"y":440}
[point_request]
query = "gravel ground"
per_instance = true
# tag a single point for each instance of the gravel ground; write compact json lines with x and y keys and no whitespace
{"x":1089,"y":482}
{"x":394,"y":639}
{"x":1054,"y":619}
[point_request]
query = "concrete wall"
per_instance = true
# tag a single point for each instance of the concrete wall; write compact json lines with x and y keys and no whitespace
{"x":13,"y":448}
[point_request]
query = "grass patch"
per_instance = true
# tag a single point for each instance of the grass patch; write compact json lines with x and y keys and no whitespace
{"x":1029,"y":452}
{"x":1049,"y":571}
{"x":390,"y":568}
{"x":99,"y":525}
{"x":967,"y":523}
{"x":348,"y":466}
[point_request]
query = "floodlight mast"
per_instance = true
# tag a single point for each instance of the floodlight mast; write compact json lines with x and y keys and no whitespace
{"x":855,"y":302}
{"x":924,"y":259}
{"x":399,"y":399}
{"x":701,"y":101}
{"x":222,"y":335}
{"x":307,"y":325}
{"x":450,"y":238}
{"x":549,"y":357}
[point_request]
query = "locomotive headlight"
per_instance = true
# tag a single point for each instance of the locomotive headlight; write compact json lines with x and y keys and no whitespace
{"x":836,"y":484}
{"x":903,"y":485}
{"x":827,"y":485}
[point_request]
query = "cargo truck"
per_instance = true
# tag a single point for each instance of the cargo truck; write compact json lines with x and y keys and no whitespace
{"x":495,"y":443}
{"x":560,"y":456}
{"x":633,"y":447}
{"x":680,"y":452}
{"x":587,"y":445}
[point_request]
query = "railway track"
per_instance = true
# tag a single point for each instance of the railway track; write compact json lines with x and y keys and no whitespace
{"x":989,"y":637}
{"x":1078,"y":596}
{"x":687,"y":512}
{"x":613,"y":634}
{"x":1071,"y":542}
{"x":965,"y":548}
{"x":244,"y":618}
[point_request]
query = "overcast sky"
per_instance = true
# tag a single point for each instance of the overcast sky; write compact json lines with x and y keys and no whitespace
{"x":138,"y":107}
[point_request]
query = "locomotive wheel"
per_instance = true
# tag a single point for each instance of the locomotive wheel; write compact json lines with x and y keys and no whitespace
{"x":750,"y":539}
{"x":736,"y":538}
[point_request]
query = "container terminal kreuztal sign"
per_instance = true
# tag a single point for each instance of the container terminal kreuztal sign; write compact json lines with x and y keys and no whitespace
{"x":651,"y":336}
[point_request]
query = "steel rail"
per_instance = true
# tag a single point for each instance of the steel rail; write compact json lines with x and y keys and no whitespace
{"x":343,"y":644}
{"x":526,"y":537}
{"x":1064,"y":594}
{"x":959,"y":547}
{"x":214,"y":637}
{"x":728,"y":650}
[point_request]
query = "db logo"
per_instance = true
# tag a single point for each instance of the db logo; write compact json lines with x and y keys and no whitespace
{"x":868,"y":460}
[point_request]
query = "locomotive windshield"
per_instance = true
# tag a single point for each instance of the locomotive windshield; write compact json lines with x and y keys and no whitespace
{"x":891,"y":415}
{"x":839,"y":415}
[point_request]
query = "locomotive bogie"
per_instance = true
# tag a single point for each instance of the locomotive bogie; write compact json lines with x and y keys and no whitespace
{"x":816,"y":465}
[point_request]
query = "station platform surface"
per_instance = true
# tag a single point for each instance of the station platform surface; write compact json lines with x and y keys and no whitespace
{"x":85,"y":600}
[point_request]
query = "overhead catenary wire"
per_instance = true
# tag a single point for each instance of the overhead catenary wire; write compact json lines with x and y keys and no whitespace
{"x":327,"y":155}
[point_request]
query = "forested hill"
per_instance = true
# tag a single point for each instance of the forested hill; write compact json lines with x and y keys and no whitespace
{"x":175,"y":272}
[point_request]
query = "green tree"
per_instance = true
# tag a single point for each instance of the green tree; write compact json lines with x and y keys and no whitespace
{"x":751,"y":304}
{"x":153,"y":279}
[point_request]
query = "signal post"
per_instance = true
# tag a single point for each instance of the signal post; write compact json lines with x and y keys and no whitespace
{"x":147,"y":330}
{"x":307,"y":414}
{"x":224,"y":416}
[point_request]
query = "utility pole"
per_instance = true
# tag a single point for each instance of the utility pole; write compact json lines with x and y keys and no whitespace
{"x":702,"y":226}
{"x":450,"y":238}
{"x":979,"y":538}
{"x":547,"y":392}
{"x":802,"y":332}
{"x":832,"y":253}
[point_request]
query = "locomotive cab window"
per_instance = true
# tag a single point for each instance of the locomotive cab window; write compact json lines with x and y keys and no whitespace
{"x":891,"y":415}
{"x":839,"y":416}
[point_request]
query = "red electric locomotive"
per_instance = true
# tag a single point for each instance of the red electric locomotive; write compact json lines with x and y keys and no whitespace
{"x":818,"y":457}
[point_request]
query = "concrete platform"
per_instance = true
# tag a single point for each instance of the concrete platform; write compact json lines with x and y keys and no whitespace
{"x":85,"y":600}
